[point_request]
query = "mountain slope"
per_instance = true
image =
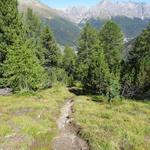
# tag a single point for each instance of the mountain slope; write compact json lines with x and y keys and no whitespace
{"x":130,"y":27}
{"x":132,"y":17}
{"x":66,"y":24}
{"x":65,"y":31}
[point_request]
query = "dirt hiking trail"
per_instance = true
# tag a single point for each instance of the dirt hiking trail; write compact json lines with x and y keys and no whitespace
{"x":68,"y":132}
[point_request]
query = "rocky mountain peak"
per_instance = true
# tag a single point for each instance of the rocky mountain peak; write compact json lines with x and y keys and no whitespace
{"x":107,"y":9}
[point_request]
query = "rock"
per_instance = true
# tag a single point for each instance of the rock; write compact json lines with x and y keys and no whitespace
{"x":5,"y":91}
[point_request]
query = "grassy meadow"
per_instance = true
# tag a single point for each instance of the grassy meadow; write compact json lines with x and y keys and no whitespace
{"x":29,"y":122}
{"x":122,"y":125}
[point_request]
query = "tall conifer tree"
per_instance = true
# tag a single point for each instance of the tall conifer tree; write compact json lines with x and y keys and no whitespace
{"x":136,"y":70}
{"x":69,"y":60}
{"x":52,"y":53}
{"x":22,"y":68}
{"x":34,"y":27}
{"x":93,"y":69}
{"x":97,"y":80}
{"x":112,"y":40}
{"x":10,"y":26}
{"x":87,"y":39}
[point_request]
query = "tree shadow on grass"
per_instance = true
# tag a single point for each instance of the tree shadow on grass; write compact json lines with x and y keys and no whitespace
{"x":92,"y":96}
{"x":98,"y":99}
{"x":77,"y":91}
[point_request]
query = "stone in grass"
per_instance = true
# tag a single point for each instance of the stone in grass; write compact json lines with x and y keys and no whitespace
{"x":5,"y":91}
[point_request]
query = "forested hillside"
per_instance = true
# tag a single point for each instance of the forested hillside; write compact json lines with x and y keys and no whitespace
{"x":131,"y":27}
{"x":65,"y":32}
{"x":31,"y":58}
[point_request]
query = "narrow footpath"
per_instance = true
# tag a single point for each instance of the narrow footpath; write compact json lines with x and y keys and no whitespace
{"x":68,"y":138}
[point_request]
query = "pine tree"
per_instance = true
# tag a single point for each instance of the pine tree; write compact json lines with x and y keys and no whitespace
{"x":52,"y":58}
{"x":22,"y":68}
{"x":52,"y":53}
{"x":97,"y":79}
{"x":87,"y":39}
{"x":33,"y":23}
{"x":93,"y":69}
{"x":111,"y":37}
{"x":139,"y":57}
{"x":34,"y":27}
{"x":69,"y":64}
{"x":10,"y":26}
{"x":136,"y":70}
{"x":69,"y":60}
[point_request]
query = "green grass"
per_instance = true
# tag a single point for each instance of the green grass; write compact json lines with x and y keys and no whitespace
{"x":123,"y":125}
{"x":29,"y":122}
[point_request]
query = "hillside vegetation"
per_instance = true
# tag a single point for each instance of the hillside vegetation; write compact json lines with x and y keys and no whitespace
{"x":66,"y":32}
{"x":120,"y":125}
{"x":130,"y":27}
{"x":29,"y":121}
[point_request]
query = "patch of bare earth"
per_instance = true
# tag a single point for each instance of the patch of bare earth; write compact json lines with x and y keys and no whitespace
{"x":68,"y":138}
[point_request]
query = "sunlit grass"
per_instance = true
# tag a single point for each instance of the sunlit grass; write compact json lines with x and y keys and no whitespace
{"x":121,"y":125}
{"x":29,"y":121}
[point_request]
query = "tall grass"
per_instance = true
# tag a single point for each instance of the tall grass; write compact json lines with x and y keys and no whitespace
{"x":123,"y":125}
{"x":28,"y":121}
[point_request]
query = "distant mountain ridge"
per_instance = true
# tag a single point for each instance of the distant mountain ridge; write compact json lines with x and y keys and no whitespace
{"x":66,"y":24}
{"x":106,"y":9}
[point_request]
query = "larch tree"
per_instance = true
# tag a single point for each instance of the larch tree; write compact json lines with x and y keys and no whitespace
{"x":136,"y":69}
{"x":69,"y":63}
{"x":87,"y":39}
{"x":10,"y":25}
{"x":10,"y":28}
{"x":52,"y":52}
{"x":34,"y":27}
{"x":98,"y":74}
{"x":112,"y":40}
{"x":69,"y":60}
{"x":52,"y":58}
{"x":22,"y":68}
{"x":93,"y":69}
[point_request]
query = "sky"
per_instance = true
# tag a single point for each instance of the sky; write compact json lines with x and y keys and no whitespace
{"x":66,"y":3}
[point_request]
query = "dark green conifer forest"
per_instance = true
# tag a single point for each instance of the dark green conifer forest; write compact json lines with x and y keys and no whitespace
{"x":31,"y":58}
